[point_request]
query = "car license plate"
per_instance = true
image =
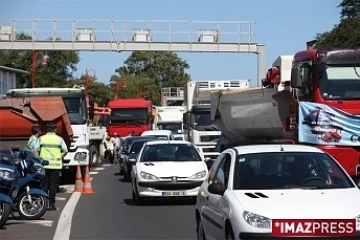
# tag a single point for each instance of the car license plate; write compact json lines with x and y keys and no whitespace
{"x":173,"y":194}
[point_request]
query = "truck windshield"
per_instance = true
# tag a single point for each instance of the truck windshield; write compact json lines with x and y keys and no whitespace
{"x":129,"y":116}
{"x":173,"y":127}
{"x":201,"y":118}
{"x":339,"y":82}
{"x":76,"y":109}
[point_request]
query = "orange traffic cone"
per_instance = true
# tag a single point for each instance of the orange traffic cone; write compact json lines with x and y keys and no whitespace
{"x":87,"y":182}
{"x":79,"y":185}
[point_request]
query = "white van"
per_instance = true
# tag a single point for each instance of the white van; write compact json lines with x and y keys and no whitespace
{"x":160,"y":134}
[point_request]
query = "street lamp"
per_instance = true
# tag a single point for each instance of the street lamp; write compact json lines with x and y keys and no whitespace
{"x":87,"y":78}
{"x":34,"y":56}
{"x":117,"y":87}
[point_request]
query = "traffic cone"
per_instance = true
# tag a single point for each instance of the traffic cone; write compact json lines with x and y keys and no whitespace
{"x":87,"y":182}
{"x":79,"y":185}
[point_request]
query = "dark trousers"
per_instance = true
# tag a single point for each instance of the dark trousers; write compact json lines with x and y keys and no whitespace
{"x":50,"y":183}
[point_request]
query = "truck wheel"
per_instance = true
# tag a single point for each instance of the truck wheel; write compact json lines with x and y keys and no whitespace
{"x":93,"y":156}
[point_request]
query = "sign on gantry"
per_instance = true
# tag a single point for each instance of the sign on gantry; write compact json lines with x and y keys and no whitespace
{"x":133,"y":35}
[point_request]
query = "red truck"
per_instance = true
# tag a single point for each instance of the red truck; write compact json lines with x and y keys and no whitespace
{"x":330,"y":77}
{"x":129,"y":115}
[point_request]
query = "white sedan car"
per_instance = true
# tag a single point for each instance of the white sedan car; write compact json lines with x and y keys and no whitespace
{"x":167,"y":169}
{"x":277,"y":191}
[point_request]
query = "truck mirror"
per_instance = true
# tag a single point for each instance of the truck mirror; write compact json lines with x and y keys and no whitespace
{"x":320,"y":67}
{"x":295,"y":78}
{"x":91,"y":109}
{"x":300,"y":75}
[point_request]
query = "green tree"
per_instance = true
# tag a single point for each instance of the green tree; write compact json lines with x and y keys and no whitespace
{"x":60,"y":65}
{"x":152,"y":70}
{"x":347,"y":32}
{"x":350,"y":9}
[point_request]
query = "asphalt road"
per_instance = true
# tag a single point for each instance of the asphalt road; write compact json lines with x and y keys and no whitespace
{"x":110,"y":213}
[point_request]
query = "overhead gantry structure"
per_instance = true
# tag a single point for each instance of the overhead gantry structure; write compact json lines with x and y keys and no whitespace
{"x":125,"y":35}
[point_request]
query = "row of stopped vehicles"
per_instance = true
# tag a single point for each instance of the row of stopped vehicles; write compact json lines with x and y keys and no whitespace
{"x":312,"y":97}
{"x":83,"y":125}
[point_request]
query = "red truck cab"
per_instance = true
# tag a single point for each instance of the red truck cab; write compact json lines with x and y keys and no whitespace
{"x":331,"y":77}
{"x":129,"y":115}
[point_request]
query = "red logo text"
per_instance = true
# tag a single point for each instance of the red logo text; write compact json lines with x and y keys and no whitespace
{"x":311,"y":227}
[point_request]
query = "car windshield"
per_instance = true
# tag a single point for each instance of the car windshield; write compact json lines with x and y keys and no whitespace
{"x":288,"y":170}
{"x":162,"y":137}
{"x":136,"y":146}
{"x":339,"y":82}
{"x":170,"y":152}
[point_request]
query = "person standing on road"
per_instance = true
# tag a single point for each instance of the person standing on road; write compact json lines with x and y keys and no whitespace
{"x":53,"y":149}
{"x":33,"y":140}
{"x":116,"y":140}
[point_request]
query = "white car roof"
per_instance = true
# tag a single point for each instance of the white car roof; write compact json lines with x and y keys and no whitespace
{"x":155,"y":132}
{"x":157,"y":142}
{"x":261,"y":148}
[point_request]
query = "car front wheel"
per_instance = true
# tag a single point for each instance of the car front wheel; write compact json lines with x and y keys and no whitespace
{"x":229,"y":233}
{"x":200,"y":231}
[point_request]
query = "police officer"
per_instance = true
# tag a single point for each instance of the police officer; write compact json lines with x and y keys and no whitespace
{"x":53,"y":149}
{"x":33,"y":140}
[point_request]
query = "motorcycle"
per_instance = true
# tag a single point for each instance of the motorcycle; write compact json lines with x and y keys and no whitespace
{"x":8,"y":188}
{"x":109,"y":153}
{"x":31,"y":201}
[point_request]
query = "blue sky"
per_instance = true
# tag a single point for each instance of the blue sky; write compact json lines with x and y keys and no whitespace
{"x":282,"y":25}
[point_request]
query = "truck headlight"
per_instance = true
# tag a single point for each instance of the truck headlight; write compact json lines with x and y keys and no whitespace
{"x":80,"y":156}
{"x":198,"y":175}
{"x":148,"y":176}
{"x":7,"y":175}
{"x":357,"y":222}
{"x":257,"y":220}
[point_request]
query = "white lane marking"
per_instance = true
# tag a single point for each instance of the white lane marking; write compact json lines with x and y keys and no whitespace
{"x":93,"y":173}
{"x":45,"y":223}
{"x":61,"y":198}
{"x":106,"y":165}
{"x":99,"y":169}
{"x":63,"y":228}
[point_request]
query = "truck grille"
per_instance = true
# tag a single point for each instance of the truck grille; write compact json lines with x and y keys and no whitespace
{"x":209,"y":138}
{"x":73,"y":146}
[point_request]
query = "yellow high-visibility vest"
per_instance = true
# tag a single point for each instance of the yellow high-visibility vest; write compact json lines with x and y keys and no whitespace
{"x":50,"y":150}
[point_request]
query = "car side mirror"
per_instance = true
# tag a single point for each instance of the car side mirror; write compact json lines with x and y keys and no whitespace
{"x":207,"y":159}
{"x":215,"y":188}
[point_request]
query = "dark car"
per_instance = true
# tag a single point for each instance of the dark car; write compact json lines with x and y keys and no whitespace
{"x":125,"y":146}
{"x":130,"y":157}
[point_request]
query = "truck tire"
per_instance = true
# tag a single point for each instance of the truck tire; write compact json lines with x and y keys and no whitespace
{"x":93,"y":155}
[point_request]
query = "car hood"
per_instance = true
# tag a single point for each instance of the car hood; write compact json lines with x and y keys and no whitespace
{"x":169,"y":169}
{"x":302,"y":204}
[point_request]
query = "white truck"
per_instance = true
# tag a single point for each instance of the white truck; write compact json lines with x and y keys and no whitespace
{"x":198,"y":127}
{"x":87,"y":142}
{"x":170,"y":118}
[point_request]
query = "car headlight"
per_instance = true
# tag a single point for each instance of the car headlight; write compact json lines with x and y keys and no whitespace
{"x":39,"y":168}
{"x":80,"y":156}
{"x":257,"y":220}
{"x":7,"y":175}
{"x":148,"y":176}
{"x":198,"y":175}
{"x":357,"y":222}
